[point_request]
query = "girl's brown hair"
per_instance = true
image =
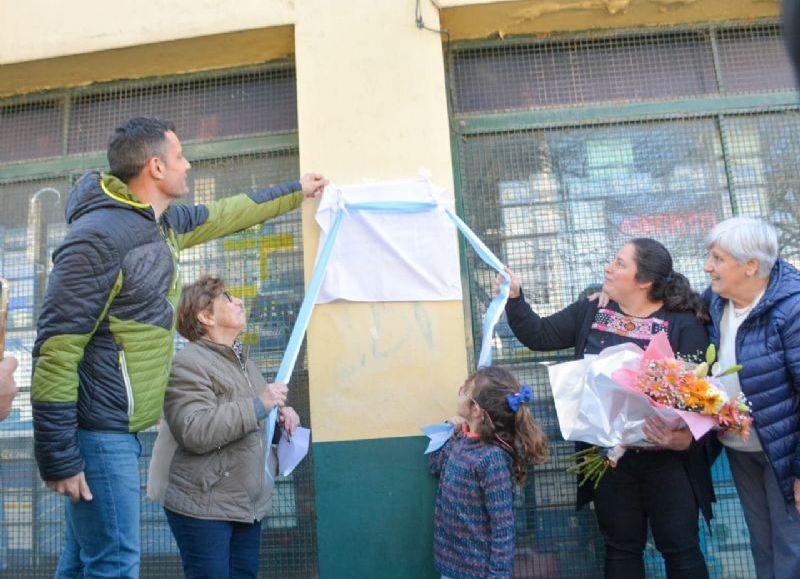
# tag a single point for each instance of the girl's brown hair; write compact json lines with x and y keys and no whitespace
{"x":195,"y":298}
{"x":519,"y":433}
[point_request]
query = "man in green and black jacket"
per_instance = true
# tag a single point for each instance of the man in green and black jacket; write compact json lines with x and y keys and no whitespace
{"x":104,"y":341}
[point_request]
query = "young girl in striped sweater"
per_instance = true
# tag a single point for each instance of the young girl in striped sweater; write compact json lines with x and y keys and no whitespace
{"x":496,"y":438}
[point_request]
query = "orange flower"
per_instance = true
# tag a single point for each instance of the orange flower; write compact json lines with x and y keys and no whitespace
{"x":668,"y":382}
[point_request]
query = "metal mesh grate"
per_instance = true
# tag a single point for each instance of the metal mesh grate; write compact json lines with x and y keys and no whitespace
{"x":252,"y":103}
{"x":754,"y":59}
{"x":554,"y":199}
{"x":263,"y":102}
{"x":583,"y":71}
{"x":765,"y":175}
{"x":263,"y":265}
{"x":564,"y":199}
{"x":628,"y":67}
{"x":30,"y":131}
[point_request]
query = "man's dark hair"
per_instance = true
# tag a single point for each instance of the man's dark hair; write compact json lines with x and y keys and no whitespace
{"x":134,"y":143}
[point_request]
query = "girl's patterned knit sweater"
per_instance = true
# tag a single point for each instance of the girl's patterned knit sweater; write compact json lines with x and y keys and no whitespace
{"x":474,"y":520}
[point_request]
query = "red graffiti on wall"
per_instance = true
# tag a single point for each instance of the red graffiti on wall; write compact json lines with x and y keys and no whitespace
{"x":667,"y":224}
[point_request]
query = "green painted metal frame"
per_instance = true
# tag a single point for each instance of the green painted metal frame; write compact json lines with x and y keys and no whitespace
{"x":194,"y":151}
{"x":455,"y":156}
{"x":455,"y":152}
{"x":627,"y":112}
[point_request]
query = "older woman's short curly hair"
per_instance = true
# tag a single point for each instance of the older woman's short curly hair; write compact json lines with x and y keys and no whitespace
{"x":195,"y":298}
{"x":747,"y":238}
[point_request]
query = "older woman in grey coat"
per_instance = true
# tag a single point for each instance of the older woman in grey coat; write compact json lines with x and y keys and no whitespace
{"x":215,"y":405}
{"x":754,"y":302}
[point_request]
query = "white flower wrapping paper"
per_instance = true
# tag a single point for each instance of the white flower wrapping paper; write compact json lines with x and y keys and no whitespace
{"x":592,"y":408}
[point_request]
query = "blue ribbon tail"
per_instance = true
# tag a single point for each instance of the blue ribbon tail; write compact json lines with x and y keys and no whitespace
{"x":301,"y":324}
{"x":498,"y":305}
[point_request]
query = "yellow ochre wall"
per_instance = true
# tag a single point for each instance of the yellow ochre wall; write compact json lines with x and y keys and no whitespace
{"x":373,"y":109}
{"x":480,"y":19}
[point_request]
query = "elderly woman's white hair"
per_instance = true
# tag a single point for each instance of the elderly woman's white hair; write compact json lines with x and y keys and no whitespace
{"x":747,"y":238}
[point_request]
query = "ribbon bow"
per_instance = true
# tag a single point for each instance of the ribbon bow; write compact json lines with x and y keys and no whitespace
{"x":524,"y":395}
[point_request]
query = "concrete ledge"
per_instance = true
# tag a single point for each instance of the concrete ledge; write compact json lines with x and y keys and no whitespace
{"x":217,"y":51}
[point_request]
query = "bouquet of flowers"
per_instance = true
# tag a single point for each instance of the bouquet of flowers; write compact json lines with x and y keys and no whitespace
{"x":619,"y":389}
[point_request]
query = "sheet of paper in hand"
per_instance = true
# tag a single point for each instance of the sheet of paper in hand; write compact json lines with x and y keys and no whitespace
{"x":291,"y":451}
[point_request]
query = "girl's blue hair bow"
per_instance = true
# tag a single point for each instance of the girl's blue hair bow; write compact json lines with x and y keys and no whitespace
{"x":523,"y":396}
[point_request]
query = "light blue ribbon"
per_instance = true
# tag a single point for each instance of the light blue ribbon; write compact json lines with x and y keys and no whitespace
{"x":498,"y":304}
{"x":493,"y":312}
{"x":301,"y":324}
{"x":393,"y":206}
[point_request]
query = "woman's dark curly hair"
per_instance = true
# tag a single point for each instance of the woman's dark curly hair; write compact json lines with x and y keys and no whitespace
{"x":654,"y":264}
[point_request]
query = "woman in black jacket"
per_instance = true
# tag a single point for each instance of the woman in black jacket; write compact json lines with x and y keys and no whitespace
{"x":665,"y":486}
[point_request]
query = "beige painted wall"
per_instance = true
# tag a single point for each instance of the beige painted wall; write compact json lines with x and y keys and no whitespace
{"x":40,"y":29}
{"x":43,"y":29}
{"x":46,"y":44}
{"x":372,"y":104}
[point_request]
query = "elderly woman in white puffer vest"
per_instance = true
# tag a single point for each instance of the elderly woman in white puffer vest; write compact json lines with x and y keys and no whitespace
{"x":215,"y":405}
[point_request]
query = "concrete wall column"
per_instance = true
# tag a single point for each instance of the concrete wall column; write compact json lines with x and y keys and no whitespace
{"x":372,"y":104}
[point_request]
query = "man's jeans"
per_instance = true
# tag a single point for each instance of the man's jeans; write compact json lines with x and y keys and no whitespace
{"x":102,"y":535}
{"x":216,"y":549}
